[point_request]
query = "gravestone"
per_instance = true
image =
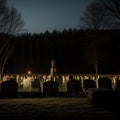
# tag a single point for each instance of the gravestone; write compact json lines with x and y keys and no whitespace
{"x":117,"y":86}
{"x":36,"y":84}
{"x":50,"y":88}
{"x":73,"y":87}
{"x":103,"y":97}
{"x":105,"y":83}
{"x":27,"y":83}
{"x":89,"y":84}
{"x":9,"y":88}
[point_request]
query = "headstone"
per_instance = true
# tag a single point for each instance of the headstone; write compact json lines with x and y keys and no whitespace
{"x":50,"y":88}
{"x":27,"y":83}
{"x":102,"y":97}
{"x":117,"y":86}
{"x":36,"y":84}
{"x":9,"y":88}
{"x":105,"y":82}
{"x":73,"y":87}
{"x":88,"y":84}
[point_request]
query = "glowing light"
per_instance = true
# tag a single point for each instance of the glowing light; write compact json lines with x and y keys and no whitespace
{"x":29,"y":72}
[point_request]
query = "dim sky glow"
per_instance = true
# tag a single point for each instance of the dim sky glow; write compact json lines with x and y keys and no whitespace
{"x":42,"y":15}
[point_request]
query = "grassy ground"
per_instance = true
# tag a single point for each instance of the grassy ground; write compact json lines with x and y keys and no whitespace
{"x":52,"y":108}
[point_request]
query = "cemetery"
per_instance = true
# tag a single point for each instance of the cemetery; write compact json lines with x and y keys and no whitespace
{"x":52,"y":68}
{"x":101,"y":92}
{"x":62,"y":85}
{"x":73,"y":95}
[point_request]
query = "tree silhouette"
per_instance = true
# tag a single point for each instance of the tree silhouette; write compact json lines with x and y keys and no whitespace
{"x":93,"y":49}
{"x":10,"y":23}
{"x":5,"y":51}
{"x":95,"y":18}
{"x":2,"y":12}
{"x":113,"y":6}
{"x":10,"y":19}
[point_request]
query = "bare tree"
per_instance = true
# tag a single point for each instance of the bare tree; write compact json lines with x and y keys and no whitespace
{"x":10,"y":23}
{"x":93,"y":50}
{"x":2,"y":11}
{"x":113,"y":6}
{"x":6,"y":49}
{"x":96,"y":17}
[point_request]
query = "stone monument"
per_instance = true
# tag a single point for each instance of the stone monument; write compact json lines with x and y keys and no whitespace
{"x":53,"y":68}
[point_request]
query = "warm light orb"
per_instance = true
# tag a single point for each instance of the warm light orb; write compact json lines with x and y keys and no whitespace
{"x":29,"y":72}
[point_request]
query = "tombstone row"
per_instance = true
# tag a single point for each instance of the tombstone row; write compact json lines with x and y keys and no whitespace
{"x":51,"y":88}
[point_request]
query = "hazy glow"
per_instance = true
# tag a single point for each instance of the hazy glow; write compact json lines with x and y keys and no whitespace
{"x":29,"y":72}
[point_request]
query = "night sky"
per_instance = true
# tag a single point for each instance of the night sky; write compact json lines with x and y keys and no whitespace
{"x":42,"y":15}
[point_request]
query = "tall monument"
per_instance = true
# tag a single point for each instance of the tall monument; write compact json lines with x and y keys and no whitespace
{"x":53,"y":70}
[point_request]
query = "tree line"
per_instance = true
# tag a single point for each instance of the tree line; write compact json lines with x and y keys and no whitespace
{"x":34,"y":51}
